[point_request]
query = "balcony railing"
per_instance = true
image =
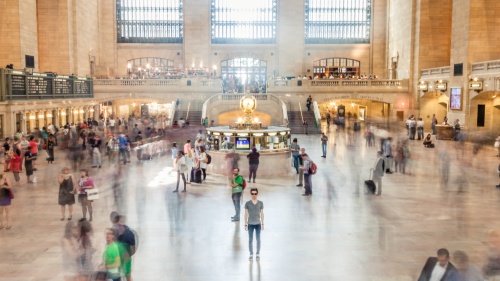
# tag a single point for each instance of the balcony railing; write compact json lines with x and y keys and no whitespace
{"x":330,"y":85}
{"x":438,"y":71}
{"x":159,"y":85}
{"x":486,"y":66}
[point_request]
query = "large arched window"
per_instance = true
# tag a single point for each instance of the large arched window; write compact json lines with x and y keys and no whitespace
{"x":241,"y":21}
{"x":336,"y":67}
{"x":150,"y":67}
{"x":337,"y":21}
{"x":249,"y":73}
{"x":153,"y":21}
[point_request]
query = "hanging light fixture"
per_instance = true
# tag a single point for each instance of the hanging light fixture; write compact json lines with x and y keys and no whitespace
{"x":63,"y":112}
{"x":81,"y":110}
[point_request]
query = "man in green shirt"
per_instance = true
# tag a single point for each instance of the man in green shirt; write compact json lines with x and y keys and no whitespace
{"x":236,"y":189}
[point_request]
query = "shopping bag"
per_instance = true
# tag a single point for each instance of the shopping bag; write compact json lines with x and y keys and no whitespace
{"x":92,"y":194}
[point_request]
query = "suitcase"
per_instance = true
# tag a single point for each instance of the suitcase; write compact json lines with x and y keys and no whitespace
{"x":195,"y":176}
{"x":370,"y":184}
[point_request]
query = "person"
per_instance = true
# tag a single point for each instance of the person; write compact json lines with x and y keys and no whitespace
{"x":203,"y":162}
{"x":445,"y":121}
{"x":28,"y":163}
{"x":70,"y":251}
{"x":174,"y":151}
{"x":295,"y":148}
{"x":413,"y":128}
{"x":112,"y":124}
{"x":34,"y":149}
{"x":67,"y":192}
{"x":420,"y":129}
{"x":16,"y":164}
{"x":324,"y":140}
{"x":307,"y":175}
{"x":308,"y":103}
{"x":187,"y":146}
{"x":51,"y":143}
{"x":85,"y":250}
{"x":122,"y":147}
{"x":5,"y":201}
{"x":200,"y":136}
{"x":497,"y":145}
{"x":498,"y":171}
{"x":466,"y":271}
{"x":387,"y":150}
{"x":112,"y":257}
{"x":85,"y":183}
{"x":439,"y":268}
{"x":254,"y":221}
{"x":378,"y":173}
{"x":96,"y":152}
{"x":491,"y":268}
{"x":236,"y":191}
{"x":205,"y":122}
{"x":301,"y":164}
{"x":189,"y":163}
{"x":456,"y":129}
{"x":253,"y":163}
{"x":428,"y":141}
{"x":433,"y":124}
{"x":408,"y":121}
{"x":6,"y":148}
{"x":135,"y":131}
{"x":127,"y":238}
{"x":306,"y":127}
{"x":181,"y":167}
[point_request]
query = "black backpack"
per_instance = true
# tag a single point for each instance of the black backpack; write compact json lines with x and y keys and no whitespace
{"x":209,"y":158}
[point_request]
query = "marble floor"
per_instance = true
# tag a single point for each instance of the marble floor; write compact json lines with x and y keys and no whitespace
{"x":339,"y":233}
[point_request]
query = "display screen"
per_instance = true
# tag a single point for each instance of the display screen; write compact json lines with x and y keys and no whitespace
{"x":243,"y":143}
{"x":456,"y":98}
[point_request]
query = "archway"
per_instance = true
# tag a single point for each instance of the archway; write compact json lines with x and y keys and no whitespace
{"x":433,"y":103}
{"x":243,"y":74}
{"x":485,"y":112}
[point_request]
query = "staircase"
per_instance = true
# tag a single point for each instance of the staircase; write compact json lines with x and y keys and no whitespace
{"x":194,"y":117}
{"x":295,"y":122}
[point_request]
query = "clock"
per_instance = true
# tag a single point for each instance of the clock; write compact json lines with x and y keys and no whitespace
{"x":248,"y":103}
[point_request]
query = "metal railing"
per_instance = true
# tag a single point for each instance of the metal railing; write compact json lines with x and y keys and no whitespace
{"x":317,"y":115}
{"x":334,"y":83}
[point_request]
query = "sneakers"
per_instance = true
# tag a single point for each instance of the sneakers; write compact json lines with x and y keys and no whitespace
{"x":250,"y":258}
{"x":257,"y":258}
{"x":299,"y":184}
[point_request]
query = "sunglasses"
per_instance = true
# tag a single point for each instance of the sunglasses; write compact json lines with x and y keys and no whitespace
{"x":253,"y":193}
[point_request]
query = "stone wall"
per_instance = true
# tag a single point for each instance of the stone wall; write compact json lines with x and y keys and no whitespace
{"x":400,"y":36}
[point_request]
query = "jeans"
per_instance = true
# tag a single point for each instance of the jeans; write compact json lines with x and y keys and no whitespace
{"x":204,"y":171}
{"x":412,"y":132}
{"x":179,"y":175}
{"x":121,"y":154}
{"x":296,"y":162}
{"x":420,"y":133}
{"x":253,"y":171}
{"x":236,"y":201}
{"x":323,"y":146}
{"x":308,"y":184}
{"x":251,"y":228}
{"x":96,"y":157}
{"x":301,"y":176}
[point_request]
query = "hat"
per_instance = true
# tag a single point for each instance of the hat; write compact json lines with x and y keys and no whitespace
{"x":254,"y":149}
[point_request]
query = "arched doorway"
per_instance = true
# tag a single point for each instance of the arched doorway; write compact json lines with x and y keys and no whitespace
{"x":243,"y":75}
{"x":433,"y":103}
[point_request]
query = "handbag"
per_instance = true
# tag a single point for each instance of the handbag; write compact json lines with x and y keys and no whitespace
{"x":92,"y":194}
{"x":497,"y":144}
{"x":11,"y":194}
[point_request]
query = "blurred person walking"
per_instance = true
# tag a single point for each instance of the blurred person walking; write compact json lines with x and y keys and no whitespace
{"x":33,"y":147}
{"x":51,"y":144}
{"x":466,"y":271}
{"x":28,"y":163}
{"x":295,"y":148}
{"x":301,"y":164}
{"x":439,"y":268}
{"x":307,"y":175}
{"x":497,"y":145}
{"x":253,"y":163}
{"x":378,"y":173}
{"x":236,"y":191}
{"x":498,"y":171}
{"x":67,"y":192}
{"x":6,"y":196}
{"x":491,"y":268}
{"x":85,"y":183}
{"x":254,"y":221}
{"x":187,"y":147}
{"x":127,"y":237}
{"x":181,"y":168}
{"x":189,"y":163}
{"x":203,"y":162}
{"x":433,"y":124}
{"x":84,"y":263}
{"x":6,"y":148}
{"x":70,"y":251}
{"x":388,"y":152}
{"x":16,"y":165}
{"x":96,"y":152}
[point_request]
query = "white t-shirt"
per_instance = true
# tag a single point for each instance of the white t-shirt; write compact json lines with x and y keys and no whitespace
{"x":112,"y":122}
{"x":438,"y":272}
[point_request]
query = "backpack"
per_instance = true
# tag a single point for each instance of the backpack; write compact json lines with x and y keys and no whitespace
{"x":209,"y":158}
{"x":244,"y":184}
{"x":313,"y":169}
{"x":129,"y":232}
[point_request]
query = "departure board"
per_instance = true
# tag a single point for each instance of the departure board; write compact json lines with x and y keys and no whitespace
{"x":17,"y":85}
{"x":38,"y":86}
{"x":82,"y":87}
{"x":63,"y":86}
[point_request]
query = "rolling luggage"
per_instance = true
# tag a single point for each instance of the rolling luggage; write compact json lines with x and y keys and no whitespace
{"x":196,"y":175}
{"x":370,"y":184}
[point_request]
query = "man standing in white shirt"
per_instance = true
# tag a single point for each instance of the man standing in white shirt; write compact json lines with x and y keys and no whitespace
{"x":439,"y":269}
{"x":420,"y":129}
{"x":112,"y":124}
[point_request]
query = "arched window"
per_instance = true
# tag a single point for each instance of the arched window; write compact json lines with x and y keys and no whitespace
{"x":139,"y":21}
{"x":240,"y":21}
{"x":336,"y":67}
{"x":337,"y":21}
{"x":150,"y":67}
{"x":246,"y":73}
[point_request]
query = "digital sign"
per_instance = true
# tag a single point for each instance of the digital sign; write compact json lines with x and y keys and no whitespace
{"x":243,"y":143}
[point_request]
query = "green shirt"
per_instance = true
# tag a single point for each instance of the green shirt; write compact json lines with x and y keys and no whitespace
{"x":113,"y":251}
{"x":239,"y":181}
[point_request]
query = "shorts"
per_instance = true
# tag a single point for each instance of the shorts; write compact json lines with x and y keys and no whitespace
{"x":127,"y":266}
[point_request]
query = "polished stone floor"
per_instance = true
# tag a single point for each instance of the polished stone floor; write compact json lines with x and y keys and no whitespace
{"x":340,"y":233}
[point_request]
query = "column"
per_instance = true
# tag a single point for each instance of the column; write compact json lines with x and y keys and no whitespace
{"x":24,"y":128}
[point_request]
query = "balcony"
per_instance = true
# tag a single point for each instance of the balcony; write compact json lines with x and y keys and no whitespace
{"x":337,"y":86}
{"x":184,"y":85}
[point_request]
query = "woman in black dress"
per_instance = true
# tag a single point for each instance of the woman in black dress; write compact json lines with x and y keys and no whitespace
{"x":51,"y":143}
{"x":67,"y":192}
{"x":28,"y":163}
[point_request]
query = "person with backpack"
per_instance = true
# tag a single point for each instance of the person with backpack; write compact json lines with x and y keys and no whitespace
{"x":378,"y":172}
{"x":308,"y":172}
{"x":238,"y":184}
{"x":204,"y":161}
{"x":127,"y":237}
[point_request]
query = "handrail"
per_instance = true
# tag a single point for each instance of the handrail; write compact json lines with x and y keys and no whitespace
{"x":237,"y":97}
{"x":172,"y":113}
{"x":486,"y":65}
{"x":317,"y":115}
{"x":435,"y":71}
{"x":187,"y":113}
{"x":301,"y":115}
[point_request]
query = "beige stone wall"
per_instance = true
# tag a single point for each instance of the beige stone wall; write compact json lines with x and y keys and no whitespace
{"x":85,"y":25}
{"x":10,"y":49}
{"x":484,"y":30}
{"x":197,"y":36}
{"x":107,"y":55}
{"x":28,"y":30}
{"x":378,"y":52}
{"x":400,"y":36}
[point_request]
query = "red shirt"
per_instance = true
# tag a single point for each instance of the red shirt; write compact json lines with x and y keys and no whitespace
{"x":34,"y":147}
